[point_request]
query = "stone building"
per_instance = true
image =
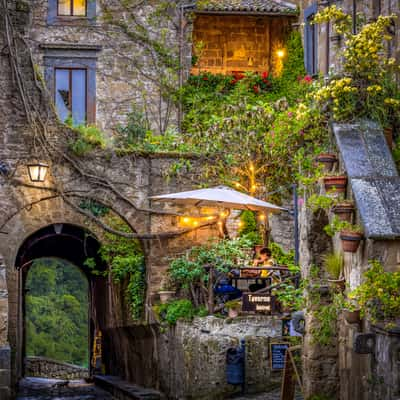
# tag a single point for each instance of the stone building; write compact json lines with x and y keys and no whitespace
{"x":343,"y":370}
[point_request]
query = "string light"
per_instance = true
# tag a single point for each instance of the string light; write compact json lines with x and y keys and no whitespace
{"x":280,"y":53}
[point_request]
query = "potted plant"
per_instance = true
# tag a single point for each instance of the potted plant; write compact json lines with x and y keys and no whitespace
{"x":378,"y":296}
{"x":344,"y":210}
{"x":333,"y":264}
{"x":233,"y":308}
{"x":351,"y":236}
{"x":167,"y":291}
{"x":327,"y":160}
{"x":351,"y":313}
{"x":335,"y":183}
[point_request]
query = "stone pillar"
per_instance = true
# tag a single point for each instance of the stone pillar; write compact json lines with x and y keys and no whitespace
{"x":5,"y":351}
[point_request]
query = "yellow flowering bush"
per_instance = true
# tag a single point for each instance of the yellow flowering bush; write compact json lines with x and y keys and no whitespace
{"x":366,"y":87}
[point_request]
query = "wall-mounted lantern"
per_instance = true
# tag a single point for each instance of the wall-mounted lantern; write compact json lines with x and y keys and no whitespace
{"x":280,"y":53}
{"x":38,"y":171}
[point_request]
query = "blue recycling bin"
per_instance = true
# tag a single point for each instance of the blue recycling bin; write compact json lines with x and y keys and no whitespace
{"x":235,"y":362}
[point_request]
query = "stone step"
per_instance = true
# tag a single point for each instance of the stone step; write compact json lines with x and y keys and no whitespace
{"x":124,"y":390}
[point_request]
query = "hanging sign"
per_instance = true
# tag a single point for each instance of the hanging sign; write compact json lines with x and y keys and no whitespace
{"x":258,"y":303}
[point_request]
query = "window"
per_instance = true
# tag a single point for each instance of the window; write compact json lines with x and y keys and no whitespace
{"x":70,"y":75}
{"x":70,"y":94}
{"x":311,"y":41}
{"x":71,"y":12}
{"x":76,"y":8}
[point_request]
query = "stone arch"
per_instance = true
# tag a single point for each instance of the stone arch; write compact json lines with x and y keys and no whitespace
{"x":67,"y":242}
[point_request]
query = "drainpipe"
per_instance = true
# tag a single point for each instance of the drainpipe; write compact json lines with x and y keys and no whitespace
{"x":182,"y":10}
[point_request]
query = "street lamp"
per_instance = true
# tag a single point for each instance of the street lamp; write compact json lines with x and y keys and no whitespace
{"x":38,"y":171}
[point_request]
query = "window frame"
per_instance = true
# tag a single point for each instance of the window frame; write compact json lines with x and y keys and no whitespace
{"x":311,"y":41}
{"x":63,"y":56}
{"x":53,"y":18}
{"x":70,"y":69}
{"x":72,"y":10}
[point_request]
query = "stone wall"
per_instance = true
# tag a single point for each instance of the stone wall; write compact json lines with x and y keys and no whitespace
{"x":233,"y":43}
{"x":188,"y":361}
{"x":47,"y":368}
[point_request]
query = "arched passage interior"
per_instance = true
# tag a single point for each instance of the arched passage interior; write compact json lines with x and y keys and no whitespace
{"x":72,"y":244}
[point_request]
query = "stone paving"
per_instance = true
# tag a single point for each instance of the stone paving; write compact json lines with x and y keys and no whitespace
{"x":274,"y":395}
{"x":55,"y":389}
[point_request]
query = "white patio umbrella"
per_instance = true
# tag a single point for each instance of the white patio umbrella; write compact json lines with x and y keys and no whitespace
{"x":220,"y":196}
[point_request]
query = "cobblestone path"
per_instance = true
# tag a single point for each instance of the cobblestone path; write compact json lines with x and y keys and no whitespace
{"x":274,"y":395}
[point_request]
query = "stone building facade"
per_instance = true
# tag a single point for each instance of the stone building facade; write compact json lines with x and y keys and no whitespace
{"x":121,"y":74}
{"x":340,"y":370}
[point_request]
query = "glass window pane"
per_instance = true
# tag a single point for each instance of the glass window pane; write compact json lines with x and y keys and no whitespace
{"x":79,"y":96}
{"x":62,"y":95}
{"x":79,"y":7}
{"x":64,"y":7}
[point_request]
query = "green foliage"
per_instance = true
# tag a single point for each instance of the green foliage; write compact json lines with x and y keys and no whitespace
{"x":126,"y":261}
{"x":282,"y":257}
{"x":326,"y":317}
{"x":177,"y":310}
{"x":333,"y":264}
{"x":221,"y":254}
{"x":135,"y":131}
{"x":98,"y":210}
{"x":249,"y":222}
{"x":290,"y":297}
{"x":379,"y":294}
{"x":320,"y":202}
{"x":57,"y":312}
{"x":87,"y":138}
{"x":336,"y":225}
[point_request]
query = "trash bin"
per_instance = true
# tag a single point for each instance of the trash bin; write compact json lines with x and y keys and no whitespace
{"x":235,"y":365}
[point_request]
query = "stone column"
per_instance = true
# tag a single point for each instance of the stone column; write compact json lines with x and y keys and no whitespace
{"x":5,"y":351}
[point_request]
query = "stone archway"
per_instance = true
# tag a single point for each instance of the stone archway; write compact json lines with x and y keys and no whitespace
{"x":73,"y":244}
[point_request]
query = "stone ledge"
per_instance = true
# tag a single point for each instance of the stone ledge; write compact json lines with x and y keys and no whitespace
{"x":123,"y":390}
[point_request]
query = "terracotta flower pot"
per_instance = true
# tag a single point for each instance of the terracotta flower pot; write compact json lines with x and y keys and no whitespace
{"x":166,"y":295}
{"x":327,"y":160}
{"x":344,"y":211}
{"x":352,"y":317}
{"x":338,"y":285}
{"x":350,"y":241}
{"x":335,"y":184}
{"x":388,"y":131}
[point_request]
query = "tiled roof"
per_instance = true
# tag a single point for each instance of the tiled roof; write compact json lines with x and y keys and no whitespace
{"x":274,"y":7}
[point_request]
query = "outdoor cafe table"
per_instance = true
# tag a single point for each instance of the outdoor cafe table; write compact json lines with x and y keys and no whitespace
{"x":260,"y":269}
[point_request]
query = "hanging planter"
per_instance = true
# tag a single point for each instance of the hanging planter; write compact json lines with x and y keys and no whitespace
{"x":352,"y":316}
{"x":344,"y":211}
{"x":350,"y":240}
{"x":327,"y":160}
{"x":336,"y":184}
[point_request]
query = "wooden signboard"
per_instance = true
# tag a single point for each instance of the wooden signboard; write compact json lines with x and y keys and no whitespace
{"x":277,"y":355}
{"x":258,"y":303}
{"x":291,"y":375}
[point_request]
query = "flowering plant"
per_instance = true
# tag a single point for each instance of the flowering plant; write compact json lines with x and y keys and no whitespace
{"x":366,"y":85}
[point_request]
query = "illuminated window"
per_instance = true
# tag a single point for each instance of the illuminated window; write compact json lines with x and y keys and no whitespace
{"x":75,"y":8}
{"x":70,"y":94}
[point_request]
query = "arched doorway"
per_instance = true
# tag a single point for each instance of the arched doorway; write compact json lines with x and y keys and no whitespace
{"x":59,"y":249}
{"x":56,"y":314}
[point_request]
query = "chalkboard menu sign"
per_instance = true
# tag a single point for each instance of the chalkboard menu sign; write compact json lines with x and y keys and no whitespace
{"x":278,"y":352}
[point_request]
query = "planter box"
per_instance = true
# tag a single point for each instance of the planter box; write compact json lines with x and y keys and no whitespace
{"x":336,"y":184}
{"x":327,"y":160}
{"x":344,"y":211}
